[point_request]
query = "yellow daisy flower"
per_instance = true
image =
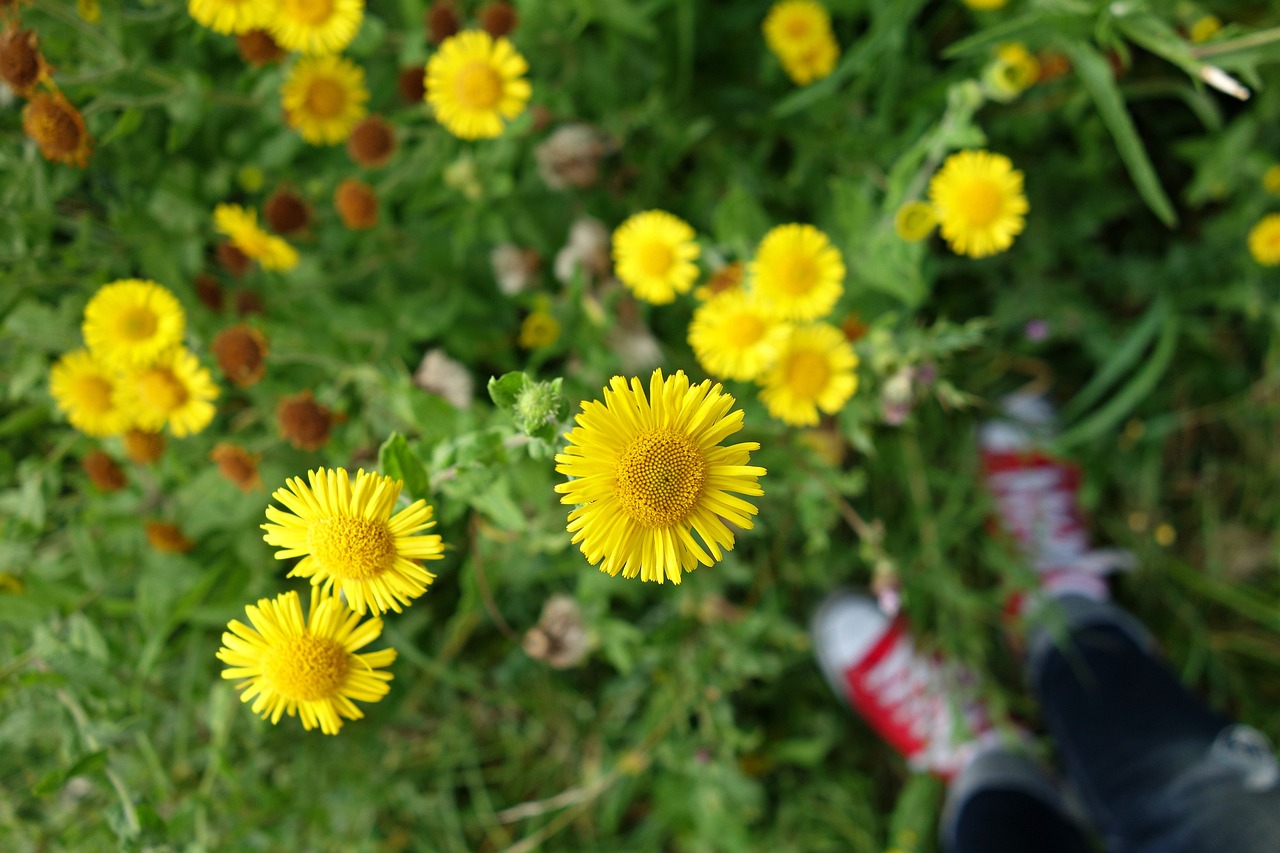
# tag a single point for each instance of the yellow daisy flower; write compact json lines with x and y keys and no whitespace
{"x":814,"y":371}
{"x":86,"y":393}
{"x":915,"y":221}
{"x":979,"y":202}
{"x":1205,"y":28}
{"x":734,"y":336}
{"x":316,"y":26}
{"x":305,"y":668}
{"x":324,"y":97}
{"x":799,"y":33}
{"x":1264,"y":240}
{"x":132,"y":322}
{"x":654,"y":254}
{"x":797,"y":273}
{"x":231,"y":17}
{"x":539,"y":329}
{"x":241,"y":226}
{"x":648,"y":472}
{"x":1014,"y":70}
{"x":1271,"y":179}
{"x":349,"y":541}
{"x":174,"y":390}
{"x":474,"y":82}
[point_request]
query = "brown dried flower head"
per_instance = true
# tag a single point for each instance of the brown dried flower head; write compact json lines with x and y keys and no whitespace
{"x":286,"y":212}
{"x":499,"y":18}
{"x":248,"y":302}
{"x":412,"y":84}
{"x":372,"y":142}
{"x":103,"y":472}
{"x":258,"y":48}
{"x":241,"y":352}
{"x":167,"y":538}
{"x":560,"y":638}
{"x":209,"y":292}
{"x":22,"y":66}
{"x":58,"y":129}
{"x":571,"y":156}
{"x":357,"y":205}
{"x":238,"y":465}
{"x":232,"y":259}
{"x":143,"y":447}
{"x":442,"y":21}
{"x":303,"y":422}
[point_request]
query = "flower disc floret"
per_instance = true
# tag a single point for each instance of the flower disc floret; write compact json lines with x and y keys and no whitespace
{"x":132,"y":322}
{"x":654,"y":254}
{"x":979,"y":201}
{"x":350,"y":542}
{"x":316,"y":26}
{"x":797,"y":274}
{"x":648,"y":471}
{"x":305,"y":668}
{"x":475,"y":83}
{"x":324,"y":97}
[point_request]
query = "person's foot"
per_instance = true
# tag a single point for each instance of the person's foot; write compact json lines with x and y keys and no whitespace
{"x":1037,"y":501}
{"x":921,"y":706}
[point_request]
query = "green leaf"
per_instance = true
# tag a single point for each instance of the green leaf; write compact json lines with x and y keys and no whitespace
{"x":399,"y":461}
{"x":1122,"y":358}
{"x":1095,"y":75}
{"x":1022,"y":28}
{"x":505,"y":389}
{"x":52,"y":782}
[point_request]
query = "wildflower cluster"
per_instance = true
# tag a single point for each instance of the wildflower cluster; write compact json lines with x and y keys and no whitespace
{"x":799,"y":34}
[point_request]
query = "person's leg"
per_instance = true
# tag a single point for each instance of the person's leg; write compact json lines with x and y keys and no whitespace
{"x":1160,"y":771}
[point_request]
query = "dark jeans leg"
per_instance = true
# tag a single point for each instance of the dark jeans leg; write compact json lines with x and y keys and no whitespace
{"x":1160,"y":771}
{"x":1000,"y":821}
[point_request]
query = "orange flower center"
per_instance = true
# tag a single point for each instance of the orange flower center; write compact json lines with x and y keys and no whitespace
{"x":136,"y":323}
{"x":306,"y":668}
{"x":797,"y":274}
{"x":161,"y":391}
{"x":744,"y":330}
{"x":479,"y":86}
{"x":807,"y":373}
{"x":309,"y":12}
{"x":660,"y":477}
{"x":356,"y":549}
{"x":326,"y":98}
{"x":980,"y":203}
{"x":93,"y":393}
{"x":655,"y":258}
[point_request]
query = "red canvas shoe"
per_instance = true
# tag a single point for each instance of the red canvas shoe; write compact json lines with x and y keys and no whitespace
{"x":923,"y":707}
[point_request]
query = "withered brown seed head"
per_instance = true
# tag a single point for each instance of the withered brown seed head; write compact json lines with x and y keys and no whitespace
{"x":499,"y":18}
{"x":728,"y":277}
{"x":167,"y":538}
{"x":412,"y":84}
{"x":248,"y":302}
{"x":442,"y":21}
{"x":143,"y":447}
{"x":103,"y":472}
{"x":58,"y":129}
{"x":258,"y":48}
{"x":235,"y":261}
{"x":286,"y":212}
{"x":303,"y":422}
{"x":209,"y":292}
{"x":356,"y":204}
{"x":237,"y":465}
{"x":21,"y":65}
{"x":372,"y":142}
{"x":241,"y":352}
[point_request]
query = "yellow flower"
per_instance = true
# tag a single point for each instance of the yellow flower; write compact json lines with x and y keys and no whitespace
{"x":89,"y":10}
{"x":539,"y":329}
{"x":174,"y":390}
{"x":132,"y":322}
{"x":349,"y":541}
{"x":654,"y":254}
{"x":648,"y":472}
{"x":231,"y":16}
{"x":814,"y":371}
{"x":316,"y":26}
{"x":241,"y":226}
{"x":86,"y":393}
{"x":324,"y":98}
{"x":797,"y":273}
{"x":1271,"y":180}
{"x":799,"y":34}
{"x":979,"y":201}
{"x":305,"y":668}
{"x":734,"y":336}
{"x":474,"y":82}
{"x":915,"y":221}
{"x":1014,"y":70}
{"x":1205,"y":28}
{"x":1264,"y":240}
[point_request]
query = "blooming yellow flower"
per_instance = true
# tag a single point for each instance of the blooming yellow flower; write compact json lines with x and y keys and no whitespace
{"x":734,"y":336}
{"x":316,"y":26}
{"x":539,"y":329}
{"x":1014,"y":70}
{"x":915,"y":221}
{"x":1271,"y":180}
{"x":799,"y":34}
{"x":648,"y":472}
{"x":979,"y":202}
{"x":654,"y":254}
{"x":474,"y":82}
{"x":1264,"y":240}
{"x":86,"y":393}
{"x":815,"y":370}
{"x":241,"y":226}
{"x":1205,"y":28}
{"x":324,"y":97}
{"x":232,"y":16}
{"x":132,"y":322}
{"x":797,"y":273}
{"x":89,"y":10}
{"x":174,"y":390}
{"x":349,"y":541}
{"x":305,"y":668}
